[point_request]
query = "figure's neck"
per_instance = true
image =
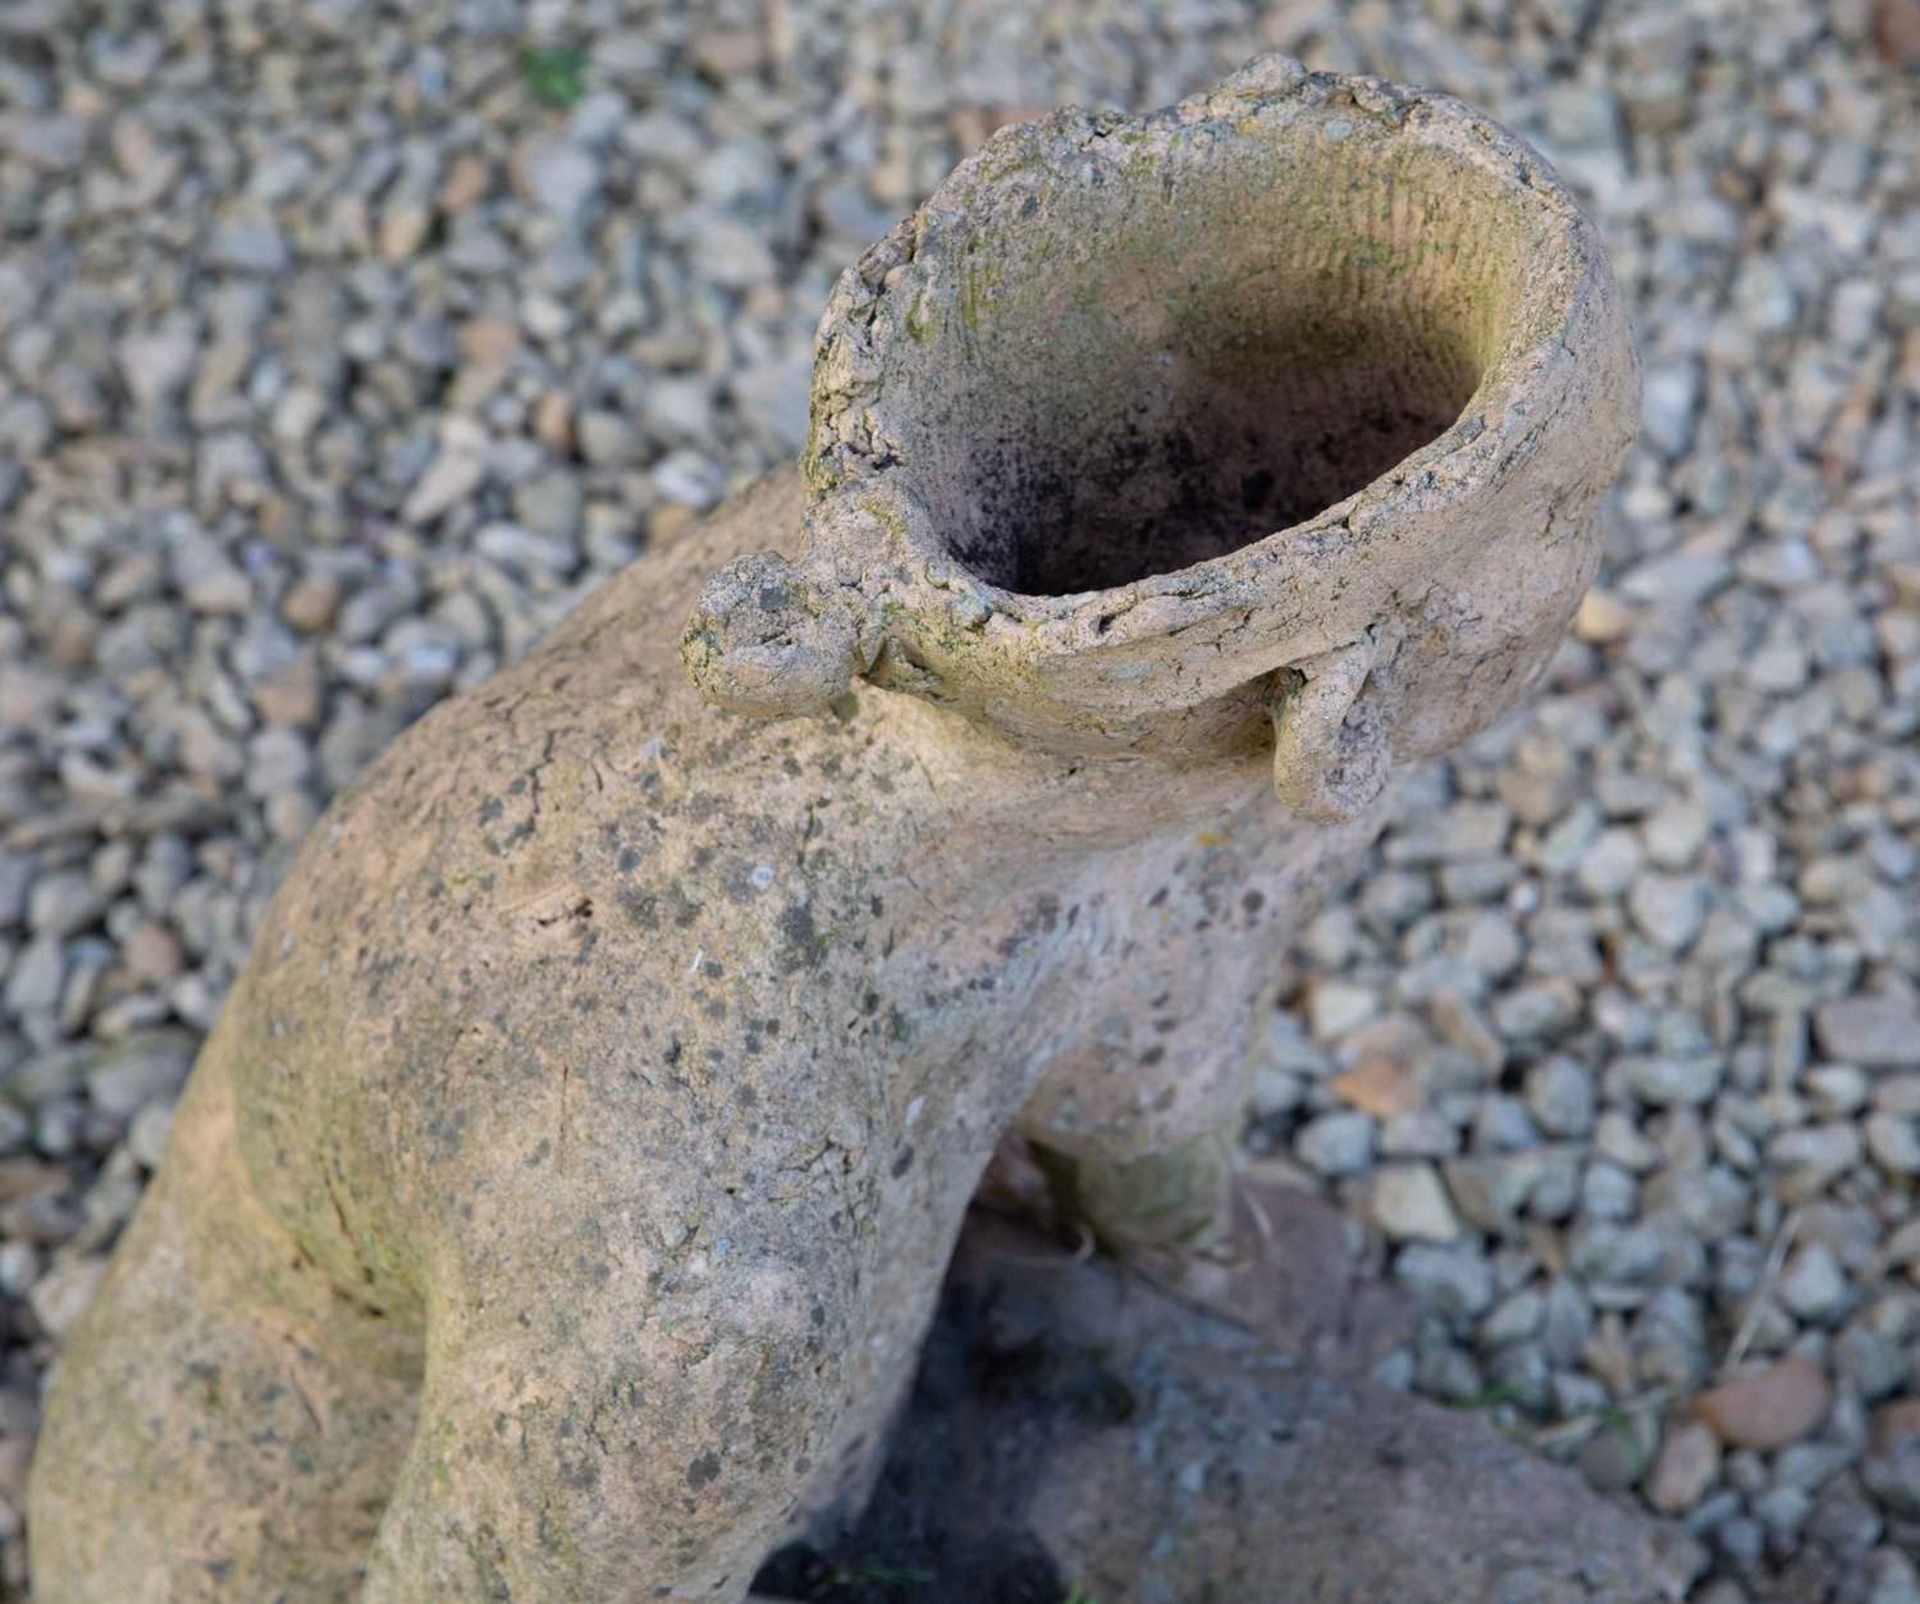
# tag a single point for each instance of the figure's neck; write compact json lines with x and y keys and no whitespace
{"x":1010,"y":816}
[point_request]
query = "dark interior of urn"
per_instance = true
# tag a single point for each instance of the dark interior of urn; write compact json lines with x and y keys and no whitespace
{"x":1116,"y":385}
{"x":1195,"y":465}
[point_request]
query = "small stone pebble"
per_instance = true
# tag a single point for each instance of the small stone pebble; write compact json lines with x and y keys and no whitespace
{"x":1338,"y":1143}
{"x":1684,"y":1469}
{"x":1877,"y":1031}
{"x":1410,"y":1203}
{"x":1560,"y":1096}
{"x":1769,"y":1406}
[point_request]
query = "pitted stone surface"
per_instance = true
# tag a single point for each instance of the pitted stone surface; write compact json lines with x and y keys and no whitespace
{"x":557,"y":1207}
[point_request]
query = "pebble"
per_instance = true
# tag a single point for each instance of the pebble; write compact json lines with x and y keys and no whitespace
{"x":66,"y":902}
{"x":549,"y":505}
{"x":560,"y":177}
{"x":1684,"y":1469}
{"x":1871,"y":1362}
{"x":1816,"y":1153}
{"x":726,"y":53}
{"x":1456,"y":1281}
{"x":690,"y":478}
{"x":247,"y":241}
{"x":1337,"y":1144}
{"x":1769,"y":1406}
{"x":1334,"y":1008}
{"x":143,"y":1070}
{"x":1893,"y":1578}
{"x":147,"y":1135}
{"x":1610,"y":863}
{"x":55,"y":142}
{"x":36,"y":978}
{"x":1667,"y":909}
{"x":210,"y":583}
{"x":1603,"y":618}
{"x":17,"y":874}
{"x":1813,"y":1285}
{"x":459,"y":469}
{"x":1893,"y":1141}
{"x":1677,"y":832}
{"x":1616,"y":1456}
{"x":1662,"y":1080}
{"x":1560,"y":1096}
{"x":1409,"y":1203}
{"x":311,"y":602}
{"x":607,"y":439}
{"x":1491,"y":1191}
{"x":1875,"y":1030}
{"x":157,"y":364}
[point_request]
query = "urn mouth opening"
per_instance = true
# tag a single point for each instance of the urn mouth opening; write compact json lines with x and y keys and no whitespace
{"x":1135,"y":412}
{"x":1114,"y":349}
{"x":1158,"y":442}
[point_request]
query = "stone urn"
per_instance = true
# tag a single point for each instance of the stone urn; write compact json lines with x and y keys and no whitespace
{"x":555,"y":1212}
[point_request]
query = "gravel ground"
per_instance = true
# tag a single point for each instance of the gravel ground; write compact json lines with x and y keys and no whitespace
{"x":343,"y":344}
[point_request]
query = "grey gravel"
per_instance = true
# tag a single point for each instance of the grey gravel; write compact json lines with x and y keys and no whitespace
{"x":334,"y":367}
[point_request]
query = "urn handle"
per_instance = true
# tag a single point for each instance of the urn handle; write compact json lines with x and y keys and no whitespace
{"x":767,"y":639}
{"x":1331,"y":753}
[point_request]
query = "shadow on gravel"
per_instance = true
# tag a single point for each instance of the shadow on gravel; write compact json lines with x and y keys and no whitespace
{"x":1078,"y":1436}
{"x":943,"y":1527}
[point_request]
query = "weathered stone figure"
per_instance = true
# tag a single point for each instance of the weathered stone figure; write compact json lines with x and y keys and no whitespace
{"x":556,"y":1209}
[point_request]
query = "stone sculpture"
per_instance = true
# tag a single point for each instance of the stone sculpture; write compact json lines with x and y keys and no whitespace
{"x":556,"y":1210}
